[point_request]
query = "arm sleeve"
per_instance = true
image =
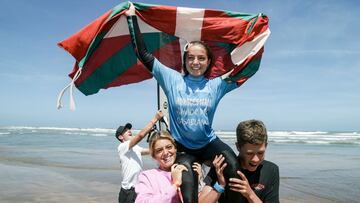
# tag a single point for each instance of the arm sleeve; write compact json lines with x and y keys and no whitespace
{"x":273,"y":195}
{"x":138,"y":43}
{"x":227,"y":86}
{"x":223,"y":87}
{"x":123,"y":147}
{"x":148,"y":191}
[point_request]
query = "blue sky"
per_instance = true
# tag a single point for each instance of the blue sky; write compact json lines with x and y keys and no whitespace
{"x":308,"y":79}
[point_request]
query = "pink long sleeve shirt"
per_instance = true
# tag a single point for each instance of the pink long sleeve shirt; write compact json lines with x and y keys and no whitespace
{"x":155,"y":186}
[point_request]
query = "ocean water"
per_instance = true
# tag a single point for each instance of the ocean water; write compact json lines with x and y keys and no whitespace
{"x":49,"y":164}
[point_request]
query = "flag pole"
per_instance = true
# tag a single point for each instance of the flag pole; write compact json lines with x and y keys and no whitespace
{"x":158,"y":101}
{"x":163,"y":106}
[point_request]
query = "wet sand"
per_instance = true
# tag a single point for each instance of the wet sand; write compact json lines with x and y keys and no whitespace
{"x":22,"y":181}
{"x":67,"y":168}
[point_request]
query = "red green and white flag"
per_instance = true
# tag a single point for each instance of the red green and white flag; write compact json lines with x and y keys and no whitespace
{"x":105,"y":57}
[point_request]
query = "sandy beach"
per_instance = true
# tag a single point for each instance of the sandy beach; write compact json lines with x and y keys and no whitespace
{"x":50,"y":167}
{"x":29,"y":182}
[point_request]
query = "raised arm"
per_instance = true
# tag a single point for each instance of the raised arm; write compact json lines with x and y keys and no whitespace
{"x":145,"y":130}
{"x":136,"y":38}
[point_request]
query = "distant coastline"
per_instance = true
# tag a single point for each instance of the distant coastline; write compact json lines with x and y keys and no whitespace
{"x":300,"y":137}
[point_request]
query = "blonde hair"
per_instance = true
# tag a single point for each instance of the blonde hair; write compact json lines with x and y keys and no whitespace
{"x":159,"y":135}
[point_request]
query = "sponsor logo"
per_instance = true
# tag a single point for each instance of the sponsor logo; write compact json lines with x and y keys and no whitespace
{"x":257,"y":186}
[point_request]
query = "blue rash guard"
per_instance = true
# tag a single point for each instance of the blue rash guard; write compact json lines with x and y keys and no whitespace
{"x":192,"y":100}
{"x":192,"y":104}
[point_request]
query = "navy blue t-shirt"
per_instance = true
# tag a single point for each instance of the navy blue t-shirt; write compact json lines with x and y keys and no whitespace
{"x":264,"y":182}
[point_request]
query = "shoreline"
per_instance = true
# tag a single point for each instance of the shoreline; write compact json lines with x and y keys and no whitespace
{"x":24,"y":182}
{"x":59,"y":167}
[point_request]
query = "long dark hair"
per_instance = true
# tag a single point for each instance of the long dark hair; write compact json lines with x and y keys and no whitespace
{"x":208,"y":53}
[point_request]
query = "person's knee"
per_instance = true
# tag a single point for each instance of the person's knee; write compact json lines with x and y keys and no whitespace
{"x":186,"y":160}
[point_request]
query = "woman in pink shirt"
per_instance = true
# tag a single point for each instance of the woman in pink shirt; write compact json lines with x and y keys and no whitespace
{"x":161,"y":185}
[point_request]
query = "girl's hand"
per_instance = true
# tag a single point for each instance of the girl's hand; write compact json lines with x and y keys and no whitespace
{"x":131,"y":10}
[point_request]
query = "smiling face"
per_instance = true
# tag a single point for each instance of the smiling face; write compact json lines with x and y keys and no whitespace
{"x":197,"y":60}
{"x":251,"y":155}
{"x":164,"y":152}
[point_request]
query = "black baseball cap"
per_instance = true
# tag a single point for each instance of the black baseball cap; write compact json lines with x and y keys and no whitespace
{"x":121,"y":129}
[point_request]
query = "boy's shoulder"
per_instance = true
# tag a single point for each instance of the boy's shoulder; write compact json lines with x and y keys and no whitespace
{"x":270,"y":164}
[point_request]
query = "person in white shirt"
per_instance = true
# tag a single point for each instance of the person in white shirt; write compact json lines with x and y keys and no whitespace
{"x":130,"y":157}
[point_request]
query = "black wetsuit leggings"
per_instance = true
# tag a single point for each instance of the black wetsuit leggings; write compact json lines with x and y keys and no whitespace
{"x":187,"y":157}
